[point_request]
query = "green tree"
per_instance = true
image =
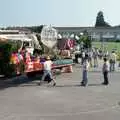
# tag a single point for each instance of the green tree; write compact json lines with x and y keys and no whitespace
{"x":100,"y":22}
{"x":36,"y":29}
{"x":85,"y":39}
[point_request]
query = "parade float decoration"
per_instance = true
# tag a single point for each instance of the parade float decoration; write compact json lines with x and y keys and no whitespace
{"x":49,"y":36}
{"x":21,"y":60}
{"x":9,"y":61}
{"x":49,"y":40}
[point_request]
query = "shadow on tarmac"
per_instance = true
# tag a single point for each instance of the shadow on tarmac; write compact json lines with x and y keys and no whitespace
{"x":16,"y":81}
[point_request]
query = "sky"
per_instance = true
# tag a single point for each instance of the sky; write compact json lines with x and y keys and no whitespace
{"x":57,"y":12}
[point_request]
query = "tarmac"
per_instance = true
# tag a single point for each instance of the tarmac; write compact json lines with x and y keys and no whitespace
{"x":67,"y":101}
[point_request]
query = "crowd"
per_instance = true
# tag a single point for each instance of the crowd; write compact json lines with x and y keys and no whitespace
{"x":91,"y":59}
{"x":88,"y":59}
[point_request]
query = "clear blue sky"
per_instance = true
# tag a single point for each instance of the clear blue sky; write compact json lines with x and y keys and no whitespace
{"x":57,"y":12}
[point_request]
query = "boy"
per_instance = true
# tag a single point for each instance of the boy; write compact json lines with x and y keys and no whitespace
{"x":85,"y":72}
{"x":105,"y":70}
{"x":48,"y":71}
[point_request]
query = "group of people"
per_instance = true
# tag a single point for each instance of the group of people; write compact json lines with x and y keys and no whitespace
{"x":91,"y":55}
{"x":95,"y":55}
{"x":105,"y":71}
{"x":108,"y":65}
{"x":86,"y":61}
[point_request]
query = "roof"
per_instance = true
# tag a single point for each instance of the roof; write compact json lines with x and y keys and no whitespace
{"x":21,"y":37}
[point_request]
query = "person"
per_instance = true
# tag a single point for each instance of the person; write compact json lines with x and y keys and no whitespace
{"x":48,"y":71}
{"x":95,"y":57}
{"x":85,"y":72}
{"x":90,"y":58}
{"x":105,"y":70}
{"x":83,"y":57}
{"x":100,"y":54}
{"x":106,"y":54}
{"x":112,"y":61}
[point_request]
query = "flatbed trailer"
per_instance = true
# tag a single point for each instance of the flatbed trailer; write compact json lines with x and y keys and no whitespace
{"x":33,"y":68}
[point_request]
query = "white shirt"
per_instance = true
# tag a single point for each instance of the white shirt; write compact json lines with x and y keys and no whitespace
{"x":86,"y":66}
{"x":113,"y":56}
{"x":48,"y":65}
{"x":83,"y":54}
{"x":106,"y":66}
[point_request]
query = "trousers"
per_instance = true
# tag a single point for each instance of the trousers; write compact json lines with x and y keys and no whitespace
{"x":47,"y":73}
{"x":112,"y":66}
{"x":106,"y":77}
{"x":85,"y":78}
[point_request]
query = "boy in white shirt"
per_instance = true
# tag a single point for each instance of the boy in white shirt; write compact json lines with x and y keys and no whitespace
{"x":105,"y":70}
{"x":48,"y":71}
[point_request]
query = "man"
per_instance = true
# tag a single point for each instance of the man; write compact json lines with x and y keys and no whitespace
{"x":85,"y":72}
{"x":105,"y":70}
{"x":113,"y":58}
{"x":48,"y":71}
{"x":83,"y":57}
{"x":90,"y":55}
{"x":95,"y":57}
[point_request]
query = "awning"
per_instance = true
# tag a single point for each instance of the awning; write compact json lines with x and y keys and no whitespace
{"x":16,"y":37}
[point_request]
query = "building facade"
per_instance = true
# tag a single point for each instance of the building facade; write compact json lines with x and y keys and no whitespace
{"x":99,"y":33}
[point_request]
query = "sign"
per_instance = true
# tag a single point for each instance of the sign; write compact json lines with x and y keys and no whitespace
{"x":49,"y":36}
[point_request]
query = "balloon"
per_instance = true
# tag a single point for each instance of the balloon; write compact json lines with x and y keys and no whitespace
{"x":49,"y":36}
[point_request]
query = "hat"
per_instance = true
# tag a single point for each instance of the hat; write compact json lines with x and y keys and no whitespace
{"x":48,"y":57}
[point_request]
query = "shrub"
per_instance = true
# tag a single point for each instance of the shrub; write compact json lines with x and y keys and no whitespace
{"x":6,"y":50}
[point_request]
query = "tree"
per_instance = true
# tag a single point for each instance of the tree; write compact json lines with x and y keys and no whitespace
{"x":100,"y":22}
{"x":36,"y":29}
{"x":85,"y":39}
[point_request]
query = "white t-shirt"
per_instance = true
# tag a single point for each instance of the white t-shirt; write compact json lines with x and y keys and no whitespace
{"x":113,"y":56}
{"x":106,"y":66}
{"x":86,"y":65}
{"x":83,"y":54}
{"x":48,"y":65}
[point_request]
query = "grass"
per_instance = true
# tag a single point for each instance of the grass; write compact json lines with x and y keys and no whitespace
{"x":108,"y":45}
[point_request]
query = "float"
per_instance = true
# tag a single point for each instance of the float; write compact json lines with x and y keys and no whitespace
{"x":17,"y":53}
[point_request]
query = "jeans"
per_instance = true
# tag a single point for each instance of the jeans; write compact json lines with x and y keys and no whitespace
{"x":95,"y":62}
{"x":112,"y":66}
{"x":85,"y":79}
{"x":47,"y":73}
{"x":82,"y":60}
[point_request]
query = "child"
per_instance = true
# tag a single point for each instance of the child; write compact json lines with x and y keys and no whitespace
{"x":48,"y":71}
{"x":105,"y":70}
{"x":85,"y":72}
